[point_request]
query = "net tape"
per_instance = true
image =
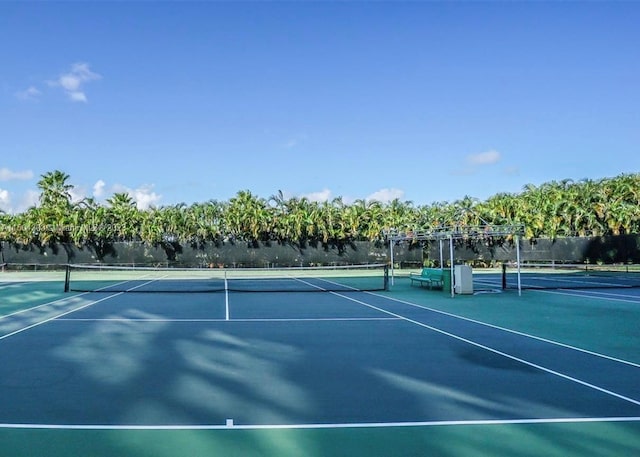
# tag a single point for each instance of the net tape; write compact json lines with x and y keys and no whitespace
{"x":92,"y":278}
{"x":571,"y":276}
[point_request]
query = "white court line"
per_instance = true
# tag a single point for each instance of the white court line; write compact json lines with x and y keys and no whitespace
{"x":559,"y":420}
{"x":585,"y":293}
{"x":542,"y":279}
{"x":515,"y":332}
{"x":15,"y":332}
{"x":226,"y":296}
{"x":46,"y":304}
{"x":311,"y":319}
{"x":11,"y":285}
{"x":615,"y":295}
{"x":227,"y":313}
{"x":496,"y":351}
{"x":40,"y":306}
{"x":57,"y":316}
{"x":540,"y":288}
{"x":59,"y":300}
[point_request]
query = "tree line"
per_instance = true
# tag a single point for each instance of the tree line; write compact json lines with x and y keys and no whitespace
{"x":608,"y":206}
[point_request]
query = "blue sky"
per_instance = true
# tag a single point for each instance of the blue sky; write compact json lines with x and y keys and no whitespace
{"x":186,"y":102}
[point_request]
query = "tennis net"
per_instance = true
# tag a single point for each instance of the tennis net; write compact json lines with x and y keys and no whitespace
{"x":93,"y":278}
{"x":570,"y":276}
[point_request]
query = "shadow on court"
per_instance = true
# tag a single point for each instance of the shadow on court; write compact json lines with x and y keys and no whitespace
{"x":341,"y":363}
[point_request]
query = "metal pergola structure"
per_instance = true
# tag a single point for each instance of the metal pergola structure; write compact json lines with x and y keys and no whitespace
{"x":456,"y":232}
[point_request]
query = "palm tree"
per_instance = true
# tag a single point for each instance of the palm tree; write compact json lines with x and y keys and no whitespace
{"x":374,"y":221}
{"x":55,"y":191}
{"x":328,"y":229}
{"x":400,"y":215}
{"x":51,"y":221}
{"x":123,"y":218}
{"x":289,"y":219}
{"x":248,"y":218}
{"x":202,"y":223}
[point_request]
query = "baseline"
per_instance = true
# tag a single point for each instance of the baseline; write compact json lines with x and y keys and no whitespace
{"x":230,"y":425}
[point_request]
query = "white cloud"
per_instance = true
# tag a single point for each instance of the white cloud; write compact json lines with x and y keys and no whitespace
{"x":5,"y":200}
{"x":12,"y":205}
{"x":9,"y":175}
{"x":78,"y":193}
{"x":383,"y":196}
{"x":98,"y":188}
{"x":321,"y":196}
{"x":484,"y":158}
{"x":386,"y":195}
{"x":144,"y":196}
{"x":29,"y":199}
{"x":77,"y":96}
{"x":31,"y":93}
{"x":73,"y":81}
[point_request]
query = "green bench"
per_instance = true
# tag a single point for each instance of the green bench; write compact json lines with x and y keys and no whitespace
{"x":433,"y":277}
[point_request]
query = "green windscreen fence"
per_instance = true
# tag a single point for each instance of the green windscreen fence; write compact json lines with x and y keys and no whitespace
{"x":621,"y":249}
{"x":228,"y":255}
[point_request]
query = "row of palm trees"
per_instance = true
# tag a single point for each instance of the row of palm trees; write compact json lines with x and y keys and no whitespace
{"x":609,"y":206}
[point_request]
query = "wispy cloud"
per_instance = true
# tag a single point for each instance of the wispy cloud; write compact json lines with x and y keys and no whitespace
{"x":294,"y":141}
{"x":73,"y":81}
{"x":465,"y":171}
{"x":473,"y":162}
{"x":512,"y":171}
{"x":386,"y":195}
{"x":484,"y":158}
{"x":9,"y":175}
{"x":291,"y":143}
{"x":30,"y":93}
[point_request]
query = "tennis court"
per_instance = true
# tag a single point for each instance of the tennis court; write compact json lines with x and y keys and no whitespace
{"x":353,"y":370}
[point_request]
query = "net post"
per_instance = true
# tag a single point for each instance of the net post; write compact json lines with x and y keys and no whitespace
{"x":451,"y":254}
{"x":518,"y":261}
{"x":386,"y":277}
{"x":504,"y":276}
{"x":67,"y":274}
{"x":391,"y":243}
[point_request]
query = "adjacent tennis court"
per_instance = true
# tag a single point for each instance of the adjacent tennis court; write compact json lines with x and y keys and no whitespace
{"x":256,"y":365}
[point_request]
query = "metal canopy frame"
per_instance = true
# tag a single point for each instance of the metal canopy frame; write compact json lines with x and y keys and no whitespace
{"x":456,"y":232}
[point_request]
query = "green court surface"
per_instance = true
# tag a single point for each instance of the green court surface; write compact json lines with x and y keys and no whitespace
{"x":404,"y":372}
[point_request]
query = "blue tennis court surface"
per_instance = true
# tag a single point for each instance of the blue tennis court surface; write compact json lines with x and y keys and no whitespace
{"x":233,"y":361}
